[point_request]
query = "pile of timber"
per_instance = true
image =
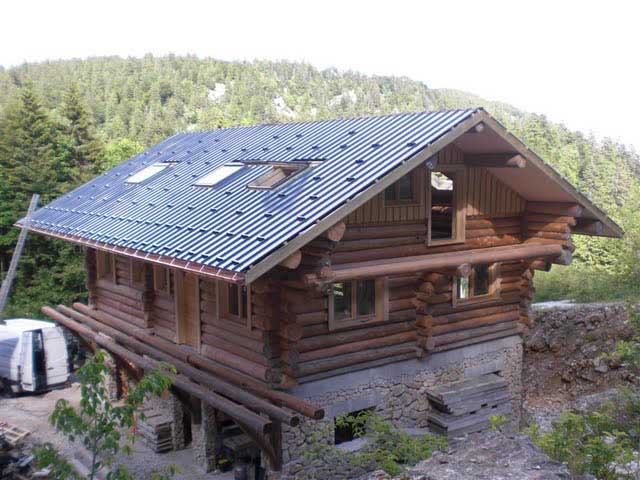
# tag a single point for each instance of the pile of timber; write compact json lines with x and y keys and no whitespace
{"x":155,"y":430}
{"x":467,"y":406}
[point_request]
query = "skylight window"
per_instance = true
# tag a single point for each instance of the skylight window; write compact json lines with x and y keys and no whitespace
{"x":217,"y":175}
{"x":148,"y":172}
{"x":279,"y":173}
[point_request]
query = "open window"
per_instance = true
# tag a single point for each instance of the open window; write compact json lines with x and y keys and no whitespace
{"x":148,"y":172}
{"x":446,"y":221}
{"x":277,"y":174}
{"x":354,"y":302}
{"x":218,"y":174}
{"x":235,"y":303}
{"x":480,"y":285}
{"x":403,"y":191}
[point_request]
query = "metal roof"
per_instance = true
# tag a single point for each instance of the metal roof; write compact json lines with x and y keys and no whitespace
{"x":230,"y":226}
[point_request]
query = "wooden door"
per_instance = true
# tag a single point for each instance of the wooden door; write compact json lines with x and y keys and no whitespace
{"x":188,"y":309}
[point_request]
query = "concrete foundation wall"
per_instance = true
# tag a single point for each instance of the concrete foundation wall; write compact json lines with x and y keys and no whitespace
{"x":397,"y":393}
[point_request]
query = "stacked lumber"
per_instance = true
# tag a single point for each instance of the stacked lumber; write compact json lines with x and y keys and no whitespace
{"x":467,"y":406}
{"x":155,"y":430}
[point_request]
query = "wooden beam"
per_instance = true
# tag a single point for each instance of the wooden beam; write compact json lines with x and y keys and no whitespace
{"x":588,"y":227}
{"x":292,"y":261}
{"x":336,"y":232}
{"x":256,"y":422}
{"x":440,"y":261}
{"x":495,"y":160}
{"x":552,"y":208}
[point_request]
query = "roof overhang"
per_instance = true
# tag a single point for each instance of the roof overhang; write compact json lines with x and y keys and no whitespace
{"x":192,"y":267}
{"x":551,"y":178}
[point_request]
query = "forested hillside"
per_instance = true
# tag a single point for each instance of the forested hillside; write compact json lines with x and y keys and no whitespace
{"x":65,"y":121}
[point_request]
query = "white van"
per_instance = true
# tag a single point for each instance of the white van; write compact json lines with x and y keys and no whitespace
{"x":33,"y":355}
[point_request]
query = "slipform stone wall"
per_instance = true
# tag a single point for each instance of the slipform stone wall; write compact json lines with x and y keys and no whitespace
{"x":397,"y":393}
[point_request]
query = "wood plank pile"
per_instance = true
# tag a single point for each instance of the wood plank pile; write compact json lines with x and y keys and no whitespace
{"x":155,"y":430}
{"x":12,"y":434}
{"x":467,"y":406}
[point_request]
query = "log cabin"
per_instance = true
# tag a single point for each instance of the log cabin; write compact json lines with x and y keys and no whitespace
{"x":296,"y":272}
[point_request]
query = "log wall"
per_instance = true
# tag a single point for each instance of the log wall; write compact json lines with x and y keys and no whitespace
{"x":484,"y":195}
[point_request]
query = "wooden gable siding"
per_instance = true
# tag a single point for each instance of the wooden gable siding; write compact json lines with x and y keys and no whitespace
{"x":484,"y":195}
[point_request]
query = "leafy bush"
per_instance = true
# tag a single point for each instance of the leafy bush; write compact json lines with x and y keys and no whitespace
{"x":98,"y":423}
{"x":389,"y":448}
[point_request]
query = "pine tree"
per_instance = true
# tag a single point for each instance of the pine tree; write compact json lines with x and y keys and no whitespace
{"x":86,"y":149}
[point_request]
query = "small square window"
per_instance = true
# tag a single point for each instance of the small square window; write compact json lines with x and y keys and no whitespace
{"x":353,"y":302}
{"x":148,"y":172}
{"x":481,"y":284}
{"x":236,"y":304}
{"x":216,"y":176}
{"x":402,"y":192}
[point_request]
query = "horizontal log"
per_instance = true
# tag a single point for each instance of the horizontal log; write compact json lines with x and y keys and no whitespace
{"x":355,"y":245}
{"x":336,"y":232}
{"x":129,"y":310}
{"x":493,"y":232}
{"x":447,"y":309}
{"x":542,"y":218}
{"x":317,"y":366}
{"x":476,"y":322}
{"x":473,"y":223}
{"x":442,"y":261}
{"x":475,"y":313}
{"x":565,"y":258}
{"x":204,"y":363}
{"x":292,"y":261}
{"x":562,"y":209}
{"x":455,"y":337}
{"x":137,"y":321}
{"x":517,"y":330}
{"x":227,"y":406}
{"x":589,"y":227}
{"x":166,"y":333}
{"x":339,"y":258}
{"x":495,"y":160}
{"x":247,"y":353}
{"x":123,"y":290}
{"x":333,"y":338}
{"x":551,"y":235}
{"x":548,"y":227}
{"x":331,"y":352}
{"x":384,"y":231}
{"x":164,"y":302}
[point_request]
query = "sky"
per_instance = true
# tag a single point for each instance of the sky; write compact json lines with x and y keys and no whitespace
{"x":578,"y":62}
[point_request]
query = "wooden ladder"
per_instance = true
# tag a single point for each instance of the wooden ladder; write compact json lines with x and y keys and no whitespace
{"x":17,"y":252}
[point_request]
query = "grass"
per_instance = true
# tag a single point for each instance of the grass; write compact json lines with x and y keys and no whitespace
{"x":584,"y":285}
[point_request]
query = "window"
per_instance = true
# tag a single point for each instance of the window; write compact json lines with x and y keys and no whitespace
{"x":481,"y":284}
{"x":105,"y":266}
{"x":276,"y":175}
{"x":235,"y":303}
{"x":148,"y":172}
{"x":162,"y":280}
{"x":402,"y":192}
{"x":446,"y":209}
{"x":353,"y":302}
{"x":348,"y":427}
{"x":217,"y":175}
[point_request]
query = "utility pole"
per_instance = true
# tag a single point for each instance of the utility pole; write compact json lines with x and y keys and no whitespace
{"x":17,"y":252}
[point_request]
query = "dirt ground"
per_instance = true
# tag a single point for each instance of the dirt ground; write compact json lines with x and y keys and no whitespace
{"x":31,"y":412}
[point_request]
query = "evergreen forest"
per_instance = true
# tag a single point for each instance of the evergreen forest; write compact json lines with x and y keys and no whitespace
{"x":63,"y":122}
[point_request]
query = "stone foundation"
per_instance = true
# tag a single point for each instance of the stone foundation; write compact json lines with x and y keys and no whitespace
{"x":171,"y":408}
{"x":397,"y":393}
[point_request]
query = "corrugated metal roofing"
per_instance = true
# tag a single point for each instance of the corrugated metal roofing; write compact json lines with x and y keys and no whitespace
{"x":230,"y":226}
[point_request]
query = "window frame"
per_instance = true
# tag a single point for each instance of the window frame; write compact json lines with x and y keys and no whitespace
{"x":105,"y":266}
{"x":459,"y":205}
{"x":380,"y":307}
{"x":223,"y":292}
{"x":296,"y":169}
{"x":415,"y":199}
{"x":493,"y":294}
{"x":158,"y":166}
{"x":159,"y":271}
{"x":235,"y":165}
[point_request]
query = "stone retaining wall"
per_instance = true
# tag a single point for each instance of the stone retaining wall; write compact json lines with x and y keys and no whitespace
{"x":397,"y":393}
